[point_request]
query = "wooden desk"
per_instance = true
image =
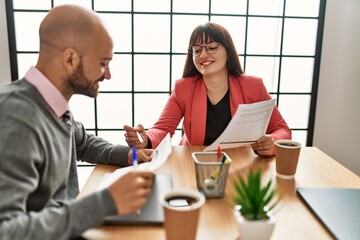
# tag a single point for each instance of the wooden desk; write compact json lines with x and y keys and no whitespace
{"x":294,"y":220}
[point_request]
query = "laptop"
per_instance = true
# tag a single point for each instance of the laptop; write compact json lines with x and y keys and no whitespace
{"x":152,"y":212}
{"x":338,"y":209}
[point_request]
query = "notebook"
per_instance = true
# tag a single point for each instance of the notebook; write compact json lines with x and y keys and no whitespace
{"x":338,"y":209}
{"x":152,"y":212}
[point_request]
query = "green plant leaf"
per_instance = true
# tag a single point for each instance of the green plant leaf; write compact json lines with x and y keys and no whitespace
{"x":254,"y":198}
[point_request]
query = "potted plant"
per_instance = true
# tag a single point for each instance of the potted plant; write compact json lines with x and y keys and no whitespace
{"x":253,"y":204}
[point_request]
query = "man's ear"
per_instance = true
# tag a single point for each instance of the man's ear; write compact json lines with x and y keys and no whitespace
{"x":71,"y":60}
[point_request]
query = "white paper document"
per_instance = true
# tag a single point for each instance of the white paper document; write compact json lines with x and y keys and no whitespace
{"x":159,"y":157}
{"x":248,"y":124}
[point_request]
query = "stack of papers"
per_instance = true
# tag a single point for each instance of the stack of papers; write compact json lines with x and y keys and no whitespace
{"x":248,"y":124}
{"x":159,"y":157}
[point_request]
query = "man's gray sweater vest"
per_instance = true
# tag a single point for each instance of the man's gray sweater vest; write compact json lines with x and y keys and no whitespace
{"x":38,"y":177}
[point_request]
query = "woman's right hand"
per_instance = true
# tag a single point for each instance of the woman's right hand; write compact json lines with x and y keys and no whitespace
{"x":132,"y":136}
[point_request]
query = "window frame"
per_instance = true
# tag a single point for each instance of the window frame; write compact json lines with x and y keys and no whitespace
{"x":316,"y":70}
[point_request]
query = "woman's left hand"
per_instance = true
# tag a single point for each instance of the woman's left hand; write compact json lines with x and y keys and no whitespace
{"x":264,"y":146}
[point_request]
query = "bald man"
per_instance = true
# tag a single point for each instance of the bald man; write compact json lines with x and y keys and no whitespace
{"x":39,"y":150}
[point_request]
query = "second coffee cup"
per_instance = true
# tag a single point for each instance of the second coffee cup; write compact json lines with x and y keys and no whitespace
{"x":287,"y":156}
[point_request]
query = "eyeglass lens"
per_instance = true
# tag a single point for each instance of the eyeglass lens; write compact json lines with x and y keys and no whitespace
{"x":211,"y":48}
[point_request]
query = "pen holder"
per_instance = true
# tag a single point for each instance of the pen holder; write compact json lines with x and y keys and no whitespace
{"x":211,"y":174}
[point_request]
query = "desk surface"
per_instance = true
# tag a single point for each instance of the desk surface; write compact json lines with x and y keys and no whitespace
{"x":294,"y":220}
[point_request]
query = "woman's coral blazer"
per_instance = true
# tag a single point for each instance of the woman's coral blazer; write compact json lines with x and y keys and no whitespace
{"x":189,"y":101}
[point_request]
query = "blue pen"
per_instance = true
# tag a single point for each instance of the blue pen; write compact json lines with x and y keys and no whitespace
{"x":135,"y":166}
{"x":134,"y":158}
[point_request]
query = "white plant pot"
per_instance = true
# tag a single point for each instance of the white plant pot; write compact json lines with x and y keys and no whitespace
{"x":254,"y":229}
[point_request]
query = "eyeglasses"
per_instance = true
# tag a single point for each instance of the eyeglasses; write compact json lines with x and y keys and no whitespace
{"x":211,"y":48}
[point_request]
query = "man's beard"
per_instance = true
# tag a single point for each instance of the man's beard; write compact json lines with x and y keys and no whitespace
{"x":80,"y":84}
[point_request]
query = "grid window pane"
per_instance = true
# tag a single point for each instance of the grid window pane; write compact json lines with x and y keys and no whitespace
{"x":183,"y":25}
{"x":299,"y":136}
{"x":120,"y":28}
{"x":33,"y":4}
{"x":264,"y":36}
{"x":151,"y":72}
{"x":296,"y":74}
{"x":191,"y":6}
{"x":25,"y":61}
{"x":26,"y":30}
{"x":152,"y":6}
{"x":151,"y":33}
{"x":111,"y":5}
{"x":114,"y":110}
{"x":265,"y":67}
{"x":229,"y":6}
{"x":91,"y":132}
{"x":121,"y":74}
{"x":307,"y":8}
{"x":115,"y":137}
{"x":84,"y":3}
{"x":236,"y":28}
{"x":242,"y":59}
{"x":148,"y":108}
{"x":176,"y":138}
{"x":266,"y":7}
{"x":295,"y":110}
{"x":82,"y":108}
{"x":178,"y":62}
{"x":300,"y":36}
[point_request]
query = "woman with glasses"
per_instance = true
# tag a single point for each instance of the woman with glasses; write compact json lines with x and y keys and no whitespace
{"x":208,"y":94}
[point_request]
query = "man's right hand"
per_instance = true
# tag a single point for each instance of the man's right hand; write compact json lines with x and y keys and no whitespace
{"x":130,"y":192}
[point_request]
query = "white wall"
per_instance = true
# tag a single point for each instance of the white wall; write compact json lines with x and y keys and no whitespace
{"x":5,"y":75}
{"x":337,"y":124}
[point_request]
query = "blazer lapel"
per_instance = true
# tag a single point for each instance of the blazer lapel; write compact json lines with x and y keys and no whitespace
{"x":236,"y":94}
{"x":198,"y":114}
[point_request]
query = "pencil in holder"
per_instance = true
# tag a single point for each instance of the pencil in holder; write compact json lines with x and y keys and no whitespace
{"x":211,"y":173}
